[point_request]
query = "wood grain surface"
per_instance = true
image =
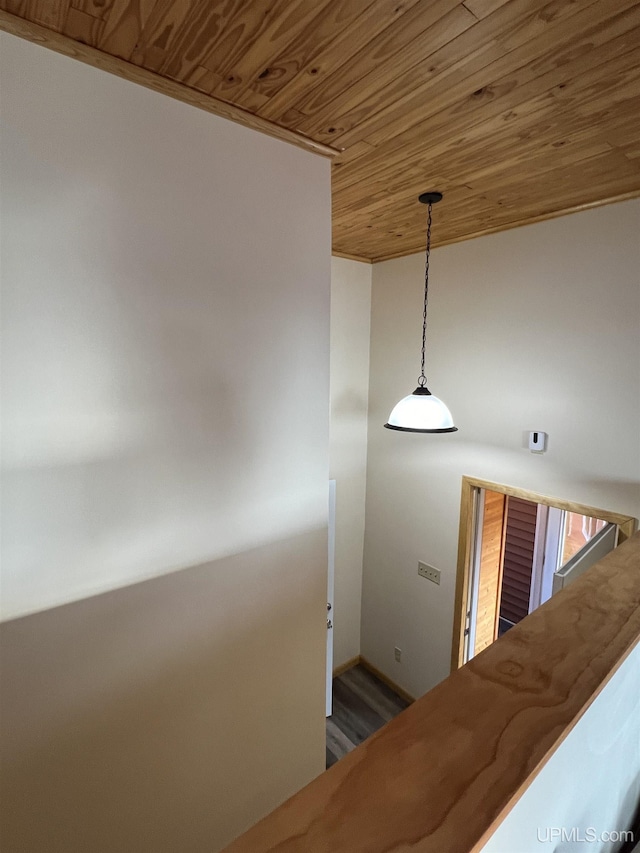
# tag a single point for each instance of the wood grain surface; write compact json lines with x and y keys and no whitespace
{"x":441,"y":776}
{"x":626,"y":523}
{"x":517,"y":110}
{"x":627,"y":526}
{"x":491,"y":562}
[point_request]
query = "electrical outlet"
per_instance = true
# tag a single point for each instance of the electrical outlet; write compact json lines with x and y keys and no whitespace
{"x":429,"y":572}
{"x":398,"y":654}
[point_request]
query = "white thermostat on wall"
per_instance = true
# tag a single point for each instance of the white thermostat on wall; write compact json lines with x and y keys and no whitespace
{"x":537,"y":442}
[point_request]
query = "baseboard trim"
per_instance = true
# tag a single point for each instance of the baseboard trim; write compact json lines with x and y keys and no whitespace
{"x":386,"y":680}
{"x":358,"y":659}
{"x":339,"y":670}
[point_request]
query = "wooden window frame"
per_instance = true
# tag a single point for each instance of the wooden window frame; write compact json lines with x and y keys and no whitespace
{"x":627,"y":526}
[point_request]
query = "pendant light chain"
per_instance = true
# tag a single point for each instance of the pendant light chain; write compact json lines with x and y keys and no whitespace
{"x":421,"y":411}
{"x":422,"y":381}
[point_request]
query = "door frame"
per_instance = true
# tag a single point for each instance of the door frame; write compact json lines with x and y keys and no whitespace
{"x":550,"y":526}
{"x":331,"y":572}
{"x":471,"y":486}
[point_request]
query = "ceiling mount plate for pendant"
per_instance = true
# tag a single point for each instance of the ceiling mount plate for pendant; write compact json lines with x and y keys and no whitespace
{"x":432,"y":197}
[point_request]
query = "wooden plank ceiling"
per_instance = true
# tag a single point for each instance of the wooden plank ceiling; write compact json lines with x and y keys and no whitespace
{"x":515,"y":110}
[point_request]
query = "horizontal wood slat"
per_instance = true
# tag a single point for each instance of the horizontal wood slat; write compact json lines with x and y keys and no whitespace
{"x":520,"y":561}
{"x":518,"y":586}
{"x":517,"y":111}
{"x":520,"y":535}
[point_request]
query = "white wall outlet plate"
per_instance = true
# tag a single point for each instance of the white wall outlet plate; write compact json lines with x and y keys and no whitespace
{"x":398,"y":654}
{"x":429,"y":572}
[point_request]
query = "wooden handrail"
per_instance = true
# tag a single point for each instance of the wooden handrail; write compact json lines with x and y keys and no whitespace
{"x":441,"y":776}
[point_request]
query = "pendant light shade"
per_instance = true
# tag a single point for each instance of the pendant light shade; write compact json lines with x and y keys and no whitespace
{"x":421,"y":411}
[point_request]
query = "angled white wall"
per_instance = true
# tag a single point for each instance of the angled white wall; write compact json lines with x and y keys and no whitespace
{"x":166,"y":286}
{"x":350,"y":332}
{"x":531,"y":329}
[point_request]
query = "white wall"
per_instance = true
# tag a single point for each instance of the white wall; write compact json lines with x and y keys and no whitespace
{"x":165,"y":312}
{"x":588,"y":790}
{"x":165,"y":305}
{"x":534,"y":328}
{"x":350,"y":328}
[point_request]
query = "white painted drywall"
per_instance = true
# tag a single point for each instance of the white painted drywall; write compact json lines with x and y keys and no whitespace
{"x":165,"y":305}
{"x":558,"y":811}
{"x":532,"y":329}
{"x":350,"y":327}
{"x":166,"y":300}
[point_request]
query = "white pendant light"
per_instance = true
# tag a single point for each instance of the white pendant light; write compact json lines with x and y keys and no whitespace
{"x":421,"y":411}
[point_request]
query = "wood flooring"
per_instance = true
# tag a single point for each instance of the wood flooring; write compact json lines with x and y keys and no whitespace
{"x":362,"y":704}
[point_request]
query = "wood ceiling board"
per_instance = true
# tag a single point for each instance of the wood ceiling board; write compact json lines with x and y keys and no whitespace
{"x":380,"y":15}
{"x":482,"y":8}
{"x":184,"y":37}
{"x":621,"y":132}
{"x":96,"y":8}
{"x":473,"y":71}
{"x":279,"y":32}
{"x":503,"y":207}
{"x":481,"y":93}
{"x":515,"y":109}
{"x":283,"y":43}
{"x":404,"y":248}
{"x":521,"y":148}
{"x":474,"y":49}
{"x":85,"y":53}
{"x":592,"y":77}
{"x":382,"y":61}
{"x":543,"y":180}
{"x":529,"y":130}
{"x":335,"y":20}
{"x":80,"y":26}
{"x":48,"y":13}
{"x":125,"y":22}
{"x":170,"y":27}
